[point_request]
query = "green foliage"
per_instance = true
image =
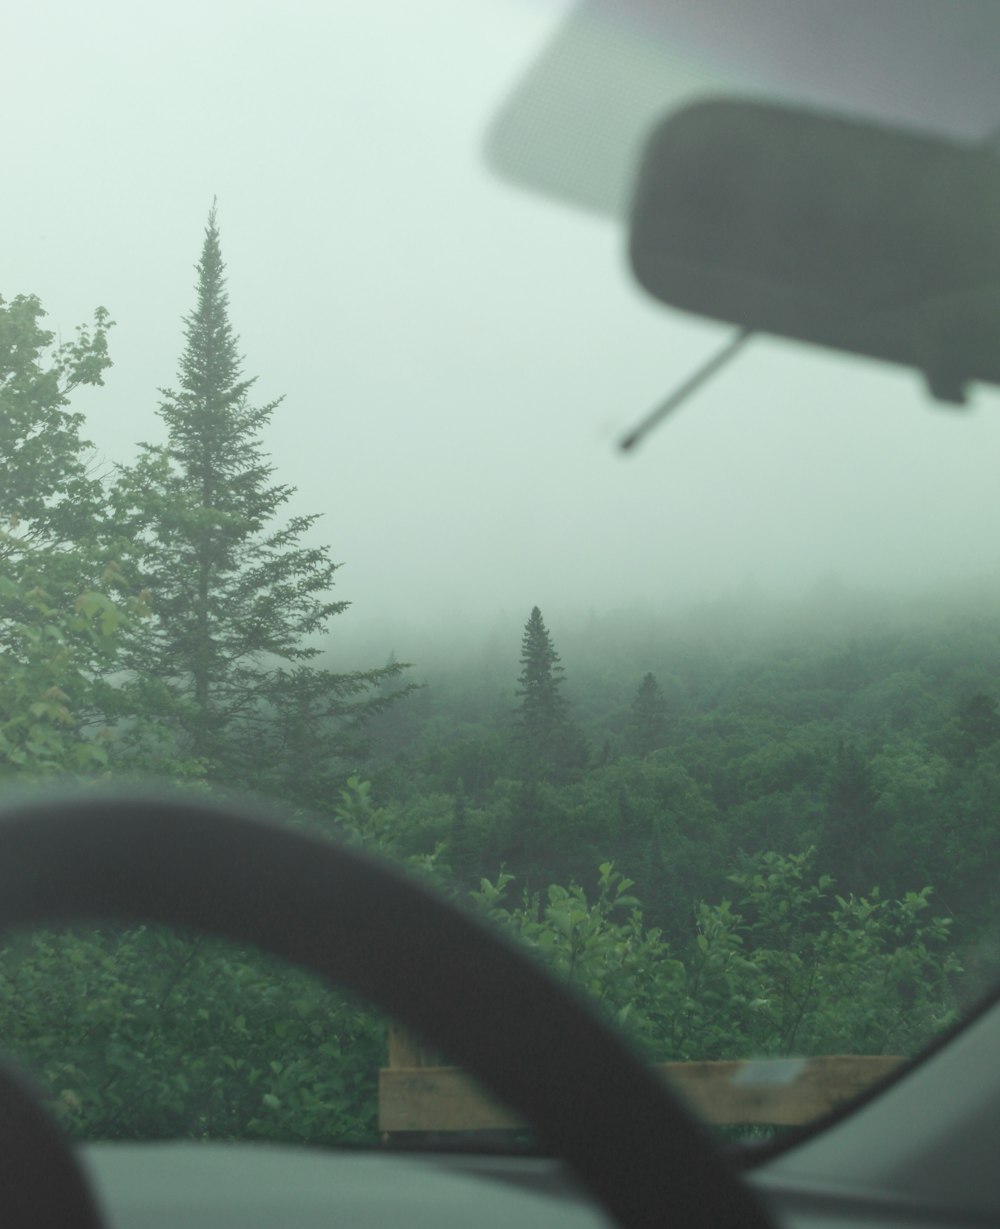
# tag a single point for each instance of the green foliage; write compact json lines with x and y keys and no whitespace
{"x":48,"y":680}
{"x":551,"y":747}
{"x":647,"y":726}
{"x":461,"y":851}
{"x":48,"y":497}
{"x":789,"y":968}
{"x":856,"y":974}
{"x":220,"y":678}
{"x":146,"y":1034}
{"x":62,"y":601}
{"x":142,"y":1033}
{"x":852,"y":832}
{"x":176,"y":638}
{"x":978,"y":722}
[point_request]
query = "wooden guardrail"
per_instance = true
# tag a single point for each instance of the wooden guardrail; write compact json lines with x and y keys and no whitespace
{"x":416,"y":1094}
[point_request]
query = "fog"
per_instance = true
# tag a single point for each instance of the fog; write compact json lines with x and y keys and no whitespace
{"x":457,"y":354}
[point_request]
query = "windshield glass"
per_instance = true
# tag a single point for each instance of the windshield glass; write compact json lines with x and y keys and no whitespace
{"x":317,"y":339}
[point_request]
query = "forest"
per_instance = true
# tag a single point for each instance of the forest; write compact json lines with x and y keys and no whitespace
{"x":744,"y":830}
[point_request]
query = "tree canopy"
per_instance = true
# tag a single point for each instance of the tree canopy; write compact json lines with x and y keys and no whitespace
{"x":60,"y":601}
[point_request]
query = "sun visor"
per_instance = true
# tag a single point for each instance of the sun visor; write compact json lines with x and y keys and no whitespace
{"x":574,"y":127}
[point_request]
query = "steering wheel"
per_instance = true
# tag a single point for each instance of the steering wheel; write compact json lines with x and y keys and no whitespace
{"x":364,"y":925}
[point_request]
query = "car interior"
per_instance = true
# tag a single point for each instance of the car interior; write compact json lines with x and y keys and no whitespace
{"x":806,"y":185}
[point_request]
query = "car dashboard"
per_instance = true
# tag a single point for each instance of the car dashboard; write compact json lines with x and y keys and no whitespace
{"x":218,"y":1186}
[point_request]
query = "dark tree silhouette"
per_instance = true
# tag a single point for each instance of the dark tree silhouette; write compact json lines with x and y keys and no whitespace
{"x":647,"y":724}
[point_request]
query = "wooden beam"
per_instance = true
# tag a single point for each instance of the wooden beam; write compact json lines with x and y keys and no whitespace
{"x":776,"y":1091}
{"x":773,"y":1092}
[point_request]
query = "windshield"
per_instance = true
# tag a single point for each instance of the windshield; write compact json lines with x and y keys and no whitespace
{"x":317,"y":340}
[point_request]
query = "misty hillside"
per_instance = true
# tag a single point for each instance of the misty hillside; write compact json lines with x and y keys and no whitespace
{"x":870,"y":731}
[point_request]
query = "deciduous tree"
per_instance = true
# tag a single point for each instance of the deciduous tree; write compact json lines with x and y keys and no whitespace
{"x":59,"y":611}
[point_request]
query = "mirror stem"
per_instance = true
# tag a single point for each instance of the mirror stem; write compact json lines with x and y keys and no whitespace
{"x":683,"y":391}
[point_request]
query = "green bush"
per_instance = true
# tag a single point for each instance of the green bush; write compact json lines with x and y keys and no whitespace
{"x":789,"y":968}
{"x":145,"y":1034}
{"x":150,"y":1034}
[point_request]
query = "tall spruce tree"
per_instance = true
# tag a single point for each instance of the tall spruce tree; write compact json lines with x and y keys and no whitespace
{"x":647,"y":723}
{"x":238,"y":598}
{"x":551,"y":745}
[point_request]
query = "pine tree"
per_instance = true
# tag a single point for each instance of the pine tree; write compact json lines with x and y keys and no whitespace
{"x":647,"y":724}
{"x":543,"y":706}
{"x":238,"y":598}
{"x":551,"y":746}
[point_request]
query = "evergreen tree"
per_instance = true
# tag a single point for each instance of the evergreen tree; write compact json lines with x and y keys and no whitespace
{"x":238,"y":597}
{"x":647,"y":724}
{"x":550,"y":744}
{"x":543,"y":706}
{"x":392,"y":729}
{"x":461,"y":847}
{"x":850,"y":842}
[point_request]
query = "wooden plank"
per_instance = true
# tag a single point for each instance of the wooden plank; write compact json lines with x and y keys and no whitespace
{"x":774,"y":1092}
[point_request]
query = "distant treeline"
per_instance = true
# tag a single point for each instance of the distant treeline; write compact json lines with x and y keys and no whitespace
{"x":874,"y":740}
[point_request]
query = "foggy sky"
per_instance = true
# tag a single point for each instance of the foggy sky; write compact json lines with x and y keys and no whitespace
{"x":457,"y":355}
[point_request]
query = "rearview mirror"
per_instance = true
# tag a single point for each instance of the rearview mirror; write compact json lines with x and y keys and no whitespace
{"x":865,"y":239}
